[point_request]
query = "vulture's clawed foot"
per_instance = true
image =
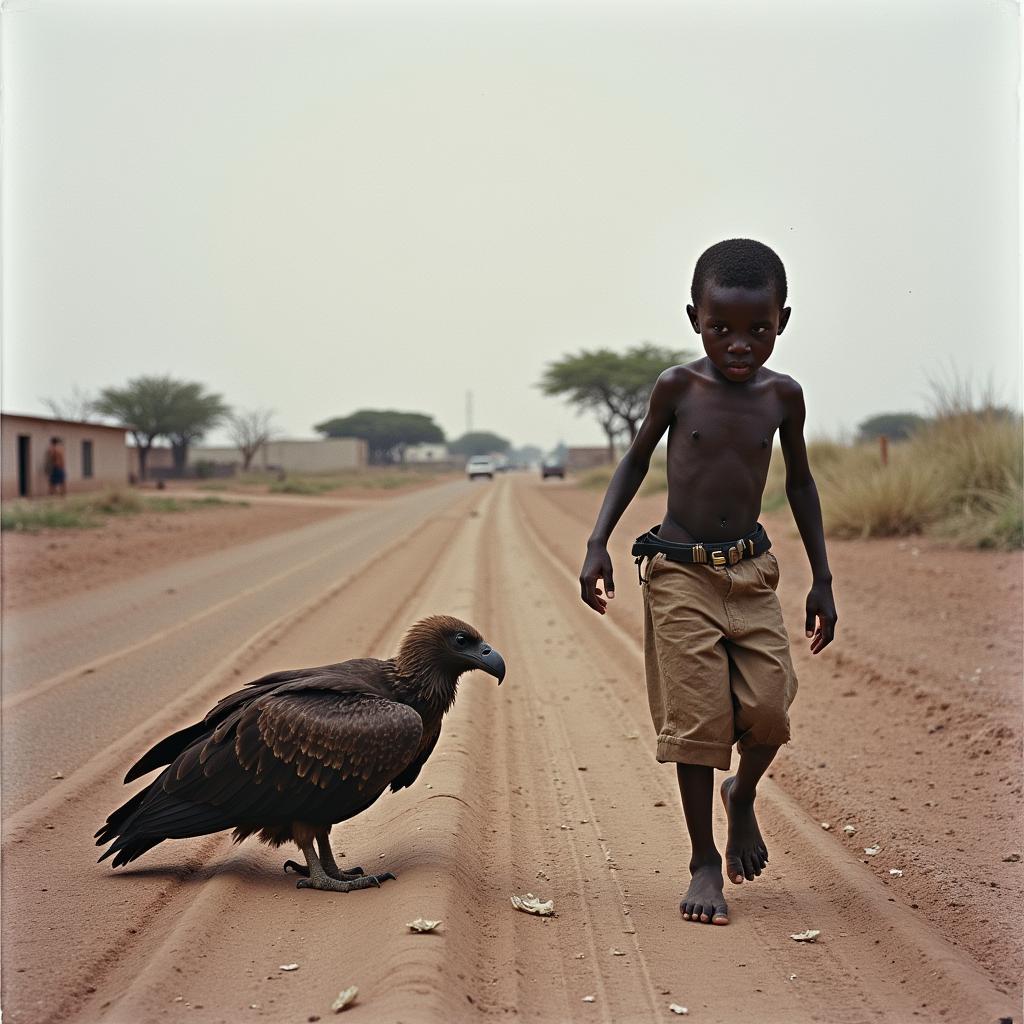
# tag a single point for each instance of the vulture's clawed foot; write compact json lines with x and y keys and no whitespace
{"x":301,"y":869}
{"x":328,"y":884}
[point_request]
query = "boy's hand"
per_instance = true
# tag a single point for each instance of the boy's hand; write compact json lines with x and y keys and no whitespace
{"x":821,"y":607}
{"x":597,"y":566}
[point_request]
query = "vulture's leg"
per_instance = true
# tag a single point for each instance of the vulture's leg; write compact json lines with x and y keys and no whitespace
{"x":327,"y":861}
{"x":330,"y":865}
{"x":319,"y":879}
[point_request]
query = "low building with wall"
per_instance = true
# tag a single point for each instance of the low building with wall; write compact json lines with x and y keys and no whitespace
{"x":315,"y":456}
{"x":94,"y":455}
{"x":422,"y":454}
{"x":587,"y":458}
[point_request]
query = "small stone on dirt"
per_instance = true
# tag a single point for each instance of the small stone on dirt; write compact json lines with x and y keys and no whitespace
{"x":896,"y":872}
{"x":530,"y":904}
{"x":1011,"y":858}
{"x":57,"y":775}
{"x":827,"y":826}
{"x":873,"y":851}
{"x":289,"y":967}
{"x":590,"y":999}
{"x":849,"y":830}
{"x":345,"y":998}
{"x":617,"y":952}
{"x":659,"y":803}
{"x":681,"y":1010}
{"x":808,"y":936}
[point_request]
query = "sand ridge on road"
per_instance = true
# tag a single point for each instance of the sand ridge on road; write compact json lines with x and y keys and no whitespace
{"x":547,"y":784}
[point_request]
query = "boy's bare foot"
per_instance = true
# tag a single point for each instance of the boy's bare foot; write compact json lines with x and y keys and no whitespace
{"x":704,"y":900}
{"x":745,"y":852}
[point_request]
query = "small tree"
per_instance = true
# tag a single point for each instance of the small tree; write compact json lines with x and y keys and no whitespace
{"x":615,"y":386}
{"x":897,"y":426}
{"x":250,"y":430}
{"x":478,"y":442}
{"x":193,"y":413}
{"x":145,"y":406}
{"x":386,"y":432}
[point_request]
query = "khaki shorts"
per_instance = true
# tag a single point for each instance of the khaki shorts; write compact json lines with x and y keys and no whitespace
{"x":717,"y":657}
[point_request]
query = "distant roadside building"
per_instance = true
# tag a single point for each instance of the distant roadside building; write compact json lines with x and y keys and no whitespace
{"x":94,"y":455}
{"x":316,"y":456}
{"x":577,"y":459}
{"x":419,"y":454}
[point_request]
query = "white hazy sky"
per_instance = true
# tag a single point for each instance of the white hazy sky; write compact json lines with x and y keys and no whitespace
{"x":321,"y":207}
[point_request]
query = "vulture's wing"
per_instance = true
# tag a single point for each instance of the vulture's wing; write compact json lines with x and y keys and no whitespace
{"x":360,"y":675}
{"x":410,"y":774}
{"x":310,"y":756}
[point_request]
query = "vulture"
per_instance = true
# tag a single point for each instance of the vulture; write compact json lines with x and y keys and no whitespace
{"x":295,"y":752}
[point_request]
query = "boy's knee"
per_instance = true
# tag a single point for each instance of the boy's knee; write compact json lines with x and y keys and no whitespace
{"x":764,"y":727}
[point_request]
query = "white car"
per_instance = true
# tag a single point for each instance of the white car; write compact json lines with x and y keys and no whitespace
{"x":480,"y":465}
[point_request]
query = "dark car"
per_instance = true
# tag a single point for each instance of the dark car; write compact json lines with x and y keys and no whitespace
{"x":552,"y":467}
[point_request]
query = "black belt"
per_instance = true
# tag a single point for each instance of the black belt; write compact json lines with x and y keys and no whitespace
{"x":719,"y":554}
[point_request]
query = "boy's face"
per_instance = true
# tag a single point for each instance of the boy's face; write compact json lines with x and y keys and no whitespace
{"x":738,"y":327}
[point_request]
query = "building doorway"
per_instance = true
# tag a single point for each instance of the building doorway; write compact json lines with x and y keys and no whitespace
{"x":24,"y":465}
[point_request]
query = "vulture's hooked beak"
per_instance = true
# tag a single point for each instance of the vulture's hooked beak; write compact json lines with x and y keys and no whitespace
{"x":490,"y":661}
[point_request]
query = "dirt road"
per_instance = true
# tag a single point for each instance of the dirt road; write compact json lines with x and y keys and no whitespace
{"x":546,"y":785}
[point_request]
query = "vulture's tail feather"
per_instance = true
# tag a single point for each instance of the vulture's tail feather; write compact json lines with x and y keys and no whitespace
{"x":150,"y":817}
{"x":117,"y":818}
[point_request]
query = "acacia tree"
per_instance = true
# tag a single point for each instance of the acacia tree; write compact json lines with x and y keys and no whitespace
{"x":193,"y":413}
{"x":897,"y":426}
{"x":386,"y":432}
{"x":160,"y":406}
{"x":615,"y":386}
{"x":250,"y":430}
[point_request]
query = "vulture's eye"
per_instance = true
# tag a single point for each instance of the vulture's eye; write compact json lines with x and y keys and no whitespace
{"x":461,"y":639}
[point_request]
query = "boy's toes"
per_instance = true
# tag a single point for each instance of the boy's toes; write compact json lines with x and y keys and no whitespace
{"x":721,"y":914}
{"x":735,"y":868}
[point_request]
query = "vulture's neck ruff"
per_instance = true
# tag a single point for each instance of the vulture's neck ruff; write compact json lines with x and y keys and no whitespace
{"x":428,"y":669}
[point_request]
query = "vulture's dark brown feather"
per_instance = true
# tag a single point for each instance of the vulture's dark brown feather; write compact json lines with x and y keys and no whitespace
{"x":295,"y":752}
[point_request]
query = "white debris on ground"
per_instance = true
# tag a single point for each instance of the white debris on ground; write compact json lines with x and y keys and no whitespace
{"x":896,"y":872}
{"x":288,"y":967}
{"x":849,"y":830}
{"x":873,"y":851}
{"x":827,"y":826}
{"x":590,"y":999}
{"x":676,"y":1008}
{"x":345,"y":998}
{"x":617,"y":952}
{"x":530,"y":904}
{"x":808,"y":936}
{"x":421,"y":924}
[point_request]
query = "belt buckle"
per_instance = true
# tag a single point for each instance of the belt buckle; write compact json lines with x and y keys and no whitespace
{"x":718,"y":558}
{"x":734,"y":555}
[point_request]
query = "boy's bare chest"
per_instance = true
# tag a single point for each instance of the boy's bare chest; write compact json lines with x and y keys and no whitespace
{"x":745,"y":425}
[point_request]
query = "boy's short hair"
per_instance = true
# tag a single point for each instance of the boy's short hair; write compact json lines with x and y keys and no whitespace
{"x":739,"y":263}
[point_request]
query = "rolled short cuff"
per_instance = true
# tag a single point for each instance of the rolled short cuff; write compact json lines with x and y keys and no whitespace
{"x":776,"y":736}
{"x":677,"y":750}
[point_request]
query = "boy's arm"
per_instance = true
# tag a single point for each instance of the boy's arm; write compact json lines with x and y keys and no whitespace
{"x":624,"y":484}
{"x":803,"y":500}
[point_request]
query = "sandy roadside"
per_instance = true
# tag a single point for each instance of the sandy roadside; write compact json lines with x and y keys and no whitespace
{"x":57,"y":563}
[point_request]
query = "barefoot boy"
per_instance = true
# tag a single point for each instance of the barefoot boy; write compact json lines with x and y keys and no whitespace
{"x":716,"y":649}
